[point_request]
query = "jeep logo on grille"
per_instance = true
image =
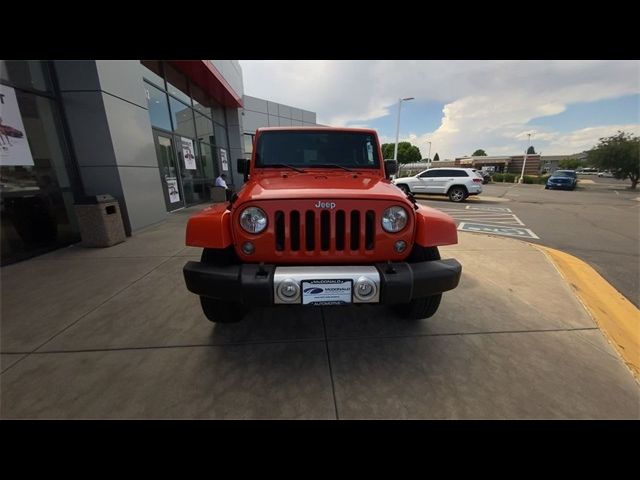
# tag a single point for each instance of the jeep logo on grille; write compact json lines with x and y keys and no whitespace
{"x":329,"y":205}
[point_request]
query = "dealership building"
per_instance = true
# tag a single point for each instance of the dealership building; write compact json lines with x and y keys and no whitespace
{"x":153,"y":134}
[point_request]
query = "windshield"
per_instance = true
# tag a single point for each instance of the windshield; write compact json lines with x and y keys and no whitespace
{"x":564,"y":173}
{"x":317,"y":149}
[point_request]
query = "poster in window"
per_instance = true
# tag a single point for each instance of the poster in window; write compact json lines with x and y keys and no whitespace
{"x":223,"y":160}
{"x":174,"y":193}
{"x":187,"y":154}
{"x":14,"y":147}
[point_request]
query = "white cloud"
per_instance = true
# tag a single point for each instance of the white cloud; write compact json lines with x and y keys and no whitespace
{"x":487,"y":103}
{"x":583,"y":139}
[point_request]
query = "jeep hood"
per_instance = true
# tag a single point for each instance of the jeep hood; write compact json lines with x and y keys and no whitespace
{"x":319,"y":186}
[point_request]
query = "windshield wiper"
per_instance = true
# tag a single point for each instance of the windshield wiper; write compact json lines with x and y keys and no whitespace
{"x":282,"y":165}
{"x":327,"y":165}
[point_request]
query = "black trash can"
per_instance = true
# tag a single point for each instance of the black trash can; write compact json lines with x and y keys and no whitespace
{"x":100,"y":221}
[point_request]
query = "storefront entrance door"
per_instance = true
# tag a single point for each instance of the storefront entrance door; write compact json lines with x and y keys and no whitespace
{"x":169,"y":171}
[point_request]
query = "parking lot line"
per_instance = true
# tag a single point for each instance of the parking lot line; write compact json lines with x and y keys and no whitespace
{"x":488,"y":219}
{"x":506,"y":231}
{"x":500,"y":220}
{"x":488,"y":209}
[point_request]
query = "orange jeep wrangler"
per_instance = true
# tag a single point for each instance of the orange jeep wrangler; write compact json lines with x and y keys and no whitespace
{"x":318,"y":222}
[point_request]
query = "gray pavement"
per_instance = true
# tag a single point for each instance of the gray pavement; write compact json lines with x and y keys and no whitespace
{"x":113,"y":333}
{"x":599,"y":223}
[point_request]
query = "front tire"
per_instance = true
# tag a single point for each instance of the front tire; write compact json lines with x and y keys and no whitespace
{"x":215,"y":310}
{"x":458,"y":194}
{"x":420,"y":308}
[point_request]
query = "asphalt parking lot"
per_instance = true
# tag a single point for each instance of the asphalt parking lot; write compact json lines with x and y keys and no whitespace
{"x":113,"y":333}
{"x":599,"y":222}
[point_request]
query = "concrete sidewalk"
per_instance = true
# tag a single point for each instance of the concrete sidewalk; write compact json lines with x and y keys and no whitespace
{"x":113,"y":333}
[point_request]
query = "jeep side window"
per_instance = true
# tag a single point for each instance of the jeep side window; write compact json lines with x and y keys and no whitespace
{"x":458,"y":173}
{"x":428,"y":174}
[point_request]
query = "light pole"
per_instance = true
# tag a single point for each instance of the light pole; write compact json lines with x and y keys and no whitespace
{"x":395,"y":150}
{"x":524,"y":163}
{"x":429,"y":156}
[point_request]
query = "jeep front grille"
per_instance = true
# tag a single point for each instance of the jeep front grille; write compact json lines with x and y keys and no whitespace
{"x":325,"y":230}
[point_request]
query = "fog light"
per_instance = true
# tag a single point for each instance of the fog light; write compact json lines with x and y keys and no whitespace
{"x":248,"y":248}
{"x":364,"y":288}
{"x":400,"y":245}
{"x":288,"y":290}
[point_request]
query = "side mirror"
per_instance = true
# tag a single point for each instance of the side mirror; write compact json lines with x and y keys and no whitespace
{"x":390,"y":167}
{"x":243,"y":166}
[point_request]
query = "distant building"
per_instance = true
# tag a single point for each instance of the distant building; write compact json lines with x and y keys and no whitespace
{"x":258,"y":113}
{"x":502,"y":164}
{"x":551,"y":163}
{"x":536,"y":164}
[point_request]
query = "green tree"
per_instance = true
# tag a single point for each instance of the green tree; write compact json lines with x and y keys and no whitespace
{"x":620,"y":154}
{"x":570,"y":164}
{"x":479,"y":153}
{"x":407,"y":153}
{"x":531,"y":150}
{"x":387,"y":150}
{"x":436,"y":157}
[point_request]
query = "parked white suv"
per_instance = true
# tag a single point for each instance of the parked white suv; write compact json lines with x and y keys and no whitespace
{"x":456,"y":183}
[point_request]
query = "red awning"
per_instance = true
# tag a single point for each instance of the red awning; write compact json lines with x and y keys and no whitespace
{"x":207,"y":77}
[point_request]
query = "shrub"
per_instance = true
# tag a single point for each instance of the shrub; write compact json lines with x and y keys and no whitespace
{"x":543,"y":179}
{"x":506,"y":177}
{"x":513,"y":178}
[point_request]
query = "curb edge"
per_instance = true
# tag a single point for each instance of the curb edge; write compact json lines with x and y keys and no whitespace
{"x":616,"y":317}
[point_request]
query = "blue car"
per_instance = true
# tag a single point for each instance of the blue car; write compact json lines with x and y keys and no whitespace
{"x":563,"y":179}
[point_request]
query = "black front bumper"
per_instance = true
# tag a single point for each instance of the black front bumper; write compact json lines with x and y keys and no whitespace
{"x":252,"y":284}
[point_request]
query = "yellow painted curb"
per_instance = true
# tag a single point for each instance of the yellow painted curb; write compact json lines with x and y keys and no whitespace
{"x":617,"y":317}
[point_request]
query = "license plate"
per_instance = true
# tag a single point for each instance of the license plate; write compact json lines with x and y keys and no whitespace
{"x":326,"y":292}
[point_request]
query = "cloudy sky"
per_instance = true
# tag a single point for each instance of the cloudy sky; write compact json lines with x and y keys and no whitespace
{"x":462,"y":105}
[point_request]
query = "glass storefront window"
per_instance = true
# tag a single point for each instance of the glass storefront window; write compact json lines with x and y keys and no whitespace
{"x":177,"y":84}
{"x":208,"y":161}
{"x":194,"y":183}
{"x":221,"y":136}
{"x":158,"y":107}
{"x":182,"y":118}
{"x":152,"y":71}
{"x":194,"y":115}
{"x":28,"y":74}
{"x":218,"y":114}
{"x":204,"y":128}
{"x":219,"y":166}
{"x":201,"y":102}
{"x":37,"y":200}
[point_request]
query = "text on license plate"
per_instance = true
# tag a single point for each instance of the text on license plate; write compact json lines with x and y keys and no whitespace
{"x":326,"y":292}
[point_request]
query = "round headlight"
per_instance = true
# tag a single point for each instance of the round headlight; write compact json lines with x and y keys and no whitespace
{"x":253,"y":220}
{"x":394,"y":219}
